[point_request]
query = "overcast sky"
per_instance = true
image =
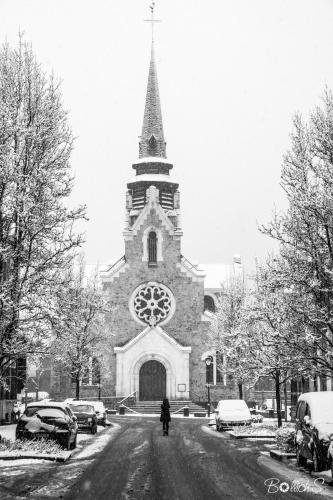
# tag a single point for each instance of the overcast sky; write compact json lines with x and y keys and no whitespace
{"x":231,"y":75}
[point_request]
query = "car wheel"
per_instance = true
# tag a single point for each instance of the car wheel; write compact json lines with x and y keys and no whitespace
{"x":66,"y":442}
{"x":94,"y":429}
{"x":300,"y":460}
{"x":332,"y":468}
{"x":74,"y":443}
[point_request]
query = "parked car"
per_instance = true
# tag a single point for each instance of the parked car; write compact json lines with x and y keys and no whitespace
{"x":231,"y":412}
{"x":48,"y":420}
{"x":86,"y":416}
{"x":100,"y":411}
{"x":314,"y":430}
{"x":99,"y":408}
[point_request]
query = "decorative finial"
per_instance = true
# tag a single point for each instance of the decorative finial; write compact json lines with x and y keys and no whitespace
{"x":152,"y":20}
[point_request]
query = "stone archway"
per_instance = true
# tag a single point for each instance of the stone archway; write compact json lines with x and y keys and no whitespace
{"x":152,"y":381}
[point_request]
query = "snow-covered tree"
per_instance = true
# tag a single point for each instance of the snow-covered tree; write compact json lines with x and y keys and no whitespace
{"x":226,"y":335}
{"x":80,"y":332}
{"x":270,"y":323}
{"x":305,"y":233}
{"x":37,"y":236}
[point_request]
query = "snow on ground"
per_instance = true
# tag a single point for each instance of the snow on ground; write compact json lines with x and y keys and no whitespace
{"x":8,"y":431}
{"x":21,"y":461}
{"x":173,"y":415}
{"x":97,"y":444}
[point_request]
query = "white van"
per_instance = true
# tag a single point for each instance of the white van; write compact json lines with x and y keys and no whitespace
{"x":231,"y":412}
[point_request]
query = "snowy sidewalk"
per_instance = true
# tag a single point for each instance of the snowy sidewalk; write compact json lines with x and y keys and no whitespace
{"x":8,"y":431}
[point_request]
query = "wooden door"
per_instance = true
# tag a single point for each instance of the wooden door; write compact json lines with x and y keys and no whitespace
{"x":152,"y":381}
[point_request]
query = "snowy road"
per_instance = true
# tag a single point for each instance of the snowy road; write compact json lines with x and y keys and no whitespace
{"x":189,"y":464}
{"x":134,"y":461}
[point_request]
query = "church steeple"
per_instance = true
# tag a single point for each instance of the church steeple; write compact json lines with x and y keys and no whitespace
{"x":152,"y":182}
{"x":152,"y":141}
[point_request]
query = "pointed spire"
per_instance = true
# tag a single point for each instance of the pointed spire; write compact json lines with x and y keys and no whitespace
{"x":152,"y":137}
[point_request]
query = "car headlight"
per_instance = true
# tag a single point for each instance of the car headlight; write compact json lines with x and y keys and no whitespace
{"x":89,"y":420}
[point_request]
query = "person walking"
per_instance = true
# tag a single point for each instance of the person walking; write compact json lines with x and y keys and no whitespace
{"x":165,"y":416}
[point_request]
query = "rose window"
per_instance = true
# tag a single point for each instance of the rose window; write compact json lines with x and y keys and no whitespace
{"x":152,"y":303}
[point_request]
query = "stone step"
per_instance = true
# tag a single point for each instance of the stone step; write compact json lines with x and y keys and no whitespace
{"x":154,"y":407}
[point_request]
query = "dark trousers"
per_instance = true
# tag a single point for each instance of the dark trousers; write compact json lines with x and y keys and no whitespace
{"x":166,"y":425}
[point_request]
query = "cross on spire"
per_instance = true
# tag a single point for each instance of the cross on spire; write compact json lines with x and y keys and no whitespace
{"x":152,"y":20}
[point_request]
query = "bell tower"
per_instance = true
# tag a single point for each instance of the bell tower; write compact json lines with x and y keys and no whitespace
{"x":152,"y":167}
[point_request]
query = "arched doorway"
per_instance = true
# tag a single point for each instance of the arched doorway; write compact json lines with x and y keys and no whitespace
{"x":152,"y":381}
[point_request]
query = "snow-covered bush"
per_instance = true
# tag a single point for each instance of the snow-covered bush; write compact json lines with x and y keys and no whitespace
{"x":285,"y":439}
{"x":255,"y":430}
{"x":34,"y":446}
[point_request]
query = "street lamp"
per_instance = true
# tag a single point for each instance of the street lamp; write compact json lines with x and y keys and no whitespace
{"x":208,"y":361}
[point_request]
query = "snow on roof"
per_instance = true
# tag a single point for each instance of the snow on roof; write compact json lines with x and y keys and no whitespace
{"x":232,"y":404}
{"x":216,"y":274}
{"x":317,"y":397}
{"x":321,"y":405}
{"x":47,"y":404}
{"x":153,"y":178}
{"x":152,"y":159}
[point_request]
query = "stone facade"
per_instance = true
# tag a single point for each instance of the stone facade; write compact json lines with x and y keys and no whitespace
{"x":188,"y":326}
{"x":158,"y":319}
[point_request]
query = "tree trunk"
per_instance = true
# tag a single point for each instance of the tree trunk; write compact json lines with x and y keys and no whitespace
{"x":278,"y":398}
{"x":285,"y":401}
{"x":315,"y":383}
{"x":77,"y":387}
{"x":240,"y":390}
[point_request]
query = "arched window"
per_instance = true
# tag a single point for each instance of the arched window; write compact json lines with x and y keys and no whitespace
{"x":209,"y":304}
{"x":152,"y":144}
{"x":152,"y":248}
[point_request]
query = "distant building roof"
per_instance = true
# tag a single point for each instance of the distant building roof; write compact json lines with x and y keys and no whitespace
{"x":217,"y":274}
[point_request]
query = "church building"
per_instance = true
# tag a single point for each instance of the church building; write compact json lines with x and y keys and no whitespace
{"x":160,"y":306}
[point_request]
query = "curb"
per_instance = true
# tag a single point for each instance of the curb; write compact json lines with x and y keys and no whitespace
{"x":250,"y":436}
{"x":27,"y":455}
{"x":282,"y":456}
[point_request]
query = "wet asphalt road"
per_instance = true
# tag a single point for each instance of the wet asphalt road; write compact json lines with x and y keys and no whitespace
{"x":189,"y":464}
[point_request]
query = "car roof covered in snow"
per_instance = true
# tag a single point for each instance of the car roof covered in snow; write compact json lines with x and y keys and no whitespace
{"x":321,"y":406}
{"x":84,"y":402}
{"x":320,"y":397}
{"x":232,"y":403}
{"x":48,"y":404}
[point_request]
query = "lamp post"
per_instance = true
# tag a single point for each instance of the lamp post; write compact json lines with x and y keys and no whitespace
{"x":208,"y":361}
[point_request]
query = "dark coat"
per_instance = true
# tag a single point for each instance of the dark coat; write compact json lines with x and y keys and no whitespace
{"x":165,"y":413}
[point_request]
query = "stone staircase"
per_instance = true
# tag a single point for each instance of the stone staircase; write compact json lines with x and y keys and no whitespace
{"x":154,"y":407}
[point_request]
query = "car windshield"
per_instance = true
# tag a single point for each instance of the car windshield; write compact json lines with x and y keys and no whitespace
{"x":44,"y":412}
{"x":81,"y":408}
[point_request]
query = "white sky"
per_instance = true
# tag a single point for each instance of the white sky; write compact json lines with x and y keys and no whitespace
{"x":231,"y":75}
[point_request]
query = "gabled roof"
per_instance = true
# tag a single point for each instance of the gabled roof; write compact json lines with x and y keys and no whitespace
{"x":148,"y":330}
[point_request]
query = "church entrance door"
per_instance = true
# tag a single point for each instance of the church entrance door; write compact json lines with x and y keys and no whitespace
{"x":152,"y":381}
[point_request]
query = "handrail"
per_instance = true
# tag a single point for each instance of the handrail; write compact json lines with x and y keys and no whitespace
{"x":180,"y":409}
{"x":130,"y":409}
{"x":127,"y":397}
{"x":196,"y":397}
{"x":188,"y":264}
{"x":119,"y":261}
